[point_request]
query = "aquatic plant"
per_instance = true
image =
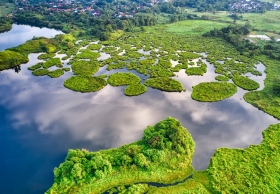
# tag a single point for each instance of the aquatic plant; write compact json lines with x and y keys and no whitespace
{"x":52,"y":62}
{"x":135,"y":89}
{"x":221,"y":78}
{"x":45,"y":56}
{"x":82,"y":83}
{"x":36,"y":66}
{"x":9,"y":59}
{"x":84,"y":67}
{"x":94,"y":47}
{"x":40,"y":72}
{"x":197,"y":70}
{"x":119,"y":79}
{"x":245,"y":83}
{"x":213,"y":91}
{"x":164,"y":84}
{"x":56,"y":73}
{"x":87,"y":54}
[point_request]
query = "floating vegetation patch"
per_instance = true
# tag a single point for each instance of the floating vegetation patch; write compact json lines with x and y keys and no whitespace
{"x":197,"y":70}
{"x":84,"y":67}
{"x":165,"y":152}
{"x":245,"y":83}
{"x":40,"y":72}
{"x":9,"y":59}
{"x":66,"y":69}
{"x":164,"y":84}
{"x":37,"y":66}
{"x":221,"y":78}
{"x":96,"y":47}
{"x":83,"y":83}
{"x":119,"y":79}
{"x":56,"y":73}
{"x":46,"y":56}
{"x":87,"y":54}
{"x":213,"y":91}
{"x":52,"y":62}
{"x":135,"y":89}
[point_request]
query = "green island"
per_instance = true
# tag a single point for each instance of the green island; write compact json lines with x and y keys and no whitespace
{"x":56,"y":73}
{"x":135,"y":89}
{"x":213,"y":91}
{"x":245,"y":83}
{"x":221,"y":78}
{"x":164,"y":84}
{"x":164,"y":155}
{"x":81,"y":83}
{"x":120,"y":79}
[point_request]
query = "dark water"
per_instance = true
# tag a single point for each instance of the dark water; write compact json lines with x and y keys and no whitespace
{"x":41,"y":120}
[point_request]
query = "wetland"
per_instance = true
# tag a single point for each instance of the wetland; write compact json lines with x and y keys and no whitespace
{"x":99,"y":116}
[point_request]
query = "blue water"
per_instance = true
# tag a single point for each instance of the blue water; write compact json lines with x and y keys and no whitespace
{"x":41,"y":120}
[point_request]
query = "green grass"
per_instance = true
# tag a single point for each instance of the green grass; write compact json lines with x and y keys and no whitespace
{"x":266,"y":99}
{"x":40,"y":72}
{"x":164,"y":84}
{"x":36,"y":66}
{"x":56,"y":73}
{"x":197,"y":70}
{"x":84,"y":67}
{"x":245,"y":83}
{"x":87,"y":54}
{"x":164,"y":155}
{"x":94,"y":47}
{"x":135,"y":89}
{"x":85,"y":84}
{"x":10,"y":59}
{"x":52,"y":62}
{"x":120,"y":79}
{"x":255,"y":169}
{"x":213,"y":91}
{"x":221,"y":78}
{"x":45,"y":56}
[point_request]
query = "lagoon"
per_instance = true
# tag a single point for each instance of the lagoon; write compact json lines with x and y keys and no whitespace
{"x":41,"y":120}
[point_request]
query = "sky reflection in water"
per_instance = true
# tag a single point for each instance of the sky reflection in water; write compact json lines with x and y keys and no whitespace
{"x":41,"y":120}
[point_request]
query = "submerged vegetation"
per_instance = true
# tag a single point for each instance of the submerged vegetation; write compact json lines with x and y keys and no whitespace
{"x":245,"y":83}
{"x":165,"y":152}
{"x":213,"y":91}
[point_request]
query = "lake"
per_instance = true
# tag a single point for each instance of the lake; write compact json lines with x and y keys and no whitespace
{"x":41,"y":120}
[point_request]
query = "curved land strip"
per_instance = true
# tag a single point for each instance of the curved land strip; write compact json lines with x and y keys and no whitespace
{"x":164,"y":155}
{"x":164,"y":84}
{"x":213,"y":91}
{"x":83,"y":83}
{"x":268,"y":99}
{"x":245,"y":83}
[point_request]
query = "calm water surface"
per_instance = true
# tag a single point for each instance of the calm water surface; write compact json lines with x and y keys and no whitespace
{"x":41,"y":120}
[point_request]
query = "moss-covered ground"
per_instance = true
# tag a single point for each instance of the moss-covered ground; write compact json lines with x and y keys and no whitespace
{"x":135,"y":89}
{"x":120,"y":79}
{"x":164,"y":84}
{"x":213,"y":91}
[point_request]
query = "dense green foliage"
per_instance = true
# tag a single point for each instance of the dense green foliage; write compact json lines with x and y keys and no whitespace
{"x":10,"y":59}
{"x":213,"y":91}
{"x":163,"y":155}
{"x":245,"y":83}
{"x":82,"y":83}
{"x":84,"y":67}
{"x":52,"y":62}
{"x":255,"y":169}
{"x":135,"y":89}
{"x":56,"y":73}
{"x":40,"y":72}
{"x":36,"y":66}
{"x":45,"y":56}
{"x":197,"y":70}
{"x":164,"y":84}
{"x":221,"y":78}
{"x":119,"y":79}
